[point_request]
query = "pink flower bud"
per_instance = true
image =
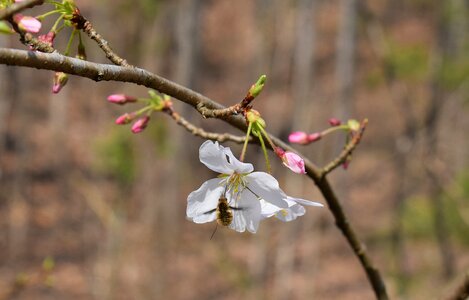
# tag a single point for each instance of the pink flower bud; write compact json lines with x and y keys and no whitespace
{"x":125,"y":119}
{"x":47,"y":38}
{"x":28,"y":24}
{"x":60,"y":80}
{"x":298,"y":137}
{"x":140,"y":124}
{"x":334,"y":122}
{"x":120,"y":99}
{"x":345,"y":164}
{"x":313,"y":137}
{"x":291,"y":160}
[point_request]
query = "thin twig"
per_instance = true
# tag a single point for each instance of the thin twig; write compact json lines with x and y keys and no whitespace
{"x":347,"y":151}
{"x":221,"y":113}
{"x":218,"y":113}
{"x":197,"y":131}
{"x":15,"y":8}
{"x":82,"y":23}
{"x":138,"y":76}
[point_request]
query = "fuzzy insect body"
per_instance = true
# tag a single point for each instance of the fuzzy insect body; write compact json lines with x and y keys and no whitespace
{"x":224,"y":213}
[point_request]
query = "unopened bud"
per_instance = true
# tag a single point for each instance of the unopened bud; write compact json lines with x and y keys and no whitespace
{"x":313,"y":137}
{"x":291,"y":160}
{"x":4,"y":28}
{"x":60,"y":80}
{"x":140,"y":124}
{"x":253,"y":116}
{"x":298,"y":137}
{"x":120,"y":99}
{"x":81,"y":53}
{"x":334,"y":122}
{"x":346,"y":163}
{"x":27,"y":23}
{"x":257,"y":87}
{"x":47,"y":38}
{"x":125,"y":119}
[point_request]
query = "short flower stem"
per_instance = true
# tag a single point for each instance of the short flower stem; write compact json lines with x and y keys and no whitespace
{"x":332,"y":129}
{"x":264,"y":149}
{"x":54,"y":28}
{"x":47,"y":14}
{"x":245,"y":146}
{"x":267,"y":137}
{"x":80,"y":41}
{"x":70,"y":40}
{"x":145,"y":109}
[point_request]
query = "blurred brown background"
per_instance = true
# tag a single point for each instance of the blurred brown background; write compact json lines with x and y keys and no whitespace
{"x":90,"y":211}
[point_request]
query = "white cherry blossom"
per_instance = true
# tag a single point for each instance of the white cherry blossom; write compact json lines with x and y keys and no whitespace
{"x":238,"y":184}
{"x":251,"y":195}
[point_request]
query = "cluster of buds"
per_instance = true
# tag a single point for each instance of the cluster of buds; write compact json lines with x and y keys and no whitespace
{"x":141,"y":116}
{"x":24,"y":23}
{"x":351,"y":127}
{"x":289,"y":159}
{"x":303,"y":138}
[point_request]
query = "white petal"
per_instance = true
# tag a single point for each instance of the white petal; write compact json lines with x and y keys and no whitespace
{"x":266,"y":186}
{"x":203,"y":200}
{"x":237,"y":165}
{"x":213,"y":157}
{"x":268,"y":209}
{"x":290,"y":214}
{"x":248,"y":215}
{"x":304,"y":202}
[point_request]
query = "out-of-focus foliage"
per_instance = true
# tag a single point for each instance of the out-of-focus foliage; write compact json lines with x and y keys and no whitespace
{"x":115,"y":155}
{"x":159,"y":135}
{"x":417,"y":217}
{"x":407,"y":62}
{"x":457,"y":207}
{"x":455,"y":71}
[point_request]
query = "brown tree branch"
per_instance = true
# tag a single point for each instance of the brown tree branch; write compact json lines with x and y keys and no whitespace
{"x":82,"y":23}
{"x":15,"y":8}
{"x":240,"y":107}
{"x":197,"y":131}
{"x":97,"y":72}
{"x":347,"y":151}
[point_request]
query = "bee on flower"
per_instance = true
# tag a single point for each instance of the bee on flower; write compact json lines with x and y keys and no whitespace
{"x":250,"y":196}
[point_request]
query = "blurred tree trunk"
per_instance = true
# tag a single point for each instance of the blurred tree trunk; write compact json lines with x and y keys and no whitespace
{"x":302,"y":79}
{"x":404,"y":142}
{"x":15,"y":190}
{"x":345,"y":63}
{"x":259,"y":265}
{"x":345,"y":75}
{"x":443,"y":50}
{"x":403,"y":147}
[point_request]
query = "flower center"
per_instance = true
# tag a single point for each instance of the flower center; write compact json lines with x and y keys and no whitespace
{"x":236,"y":183}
